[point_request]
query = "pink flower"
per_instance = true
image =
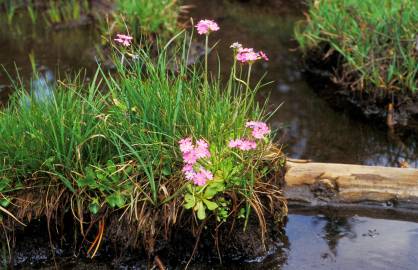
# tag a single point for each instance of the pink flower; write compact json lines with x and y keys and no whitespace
{"x":202,"y":149}
{"x":205,"y":27}
{"x":263,"y":55}
{"x":246,"y":55}
{"x":189,"y":172}
{"x":125,"y":37}
{"x":191,"y":153}
{"x":190,"y":157}
{"x":202,"y":177}
{"x":199,"y":179}
{"x":247,"y":145}
{"x":186,"y":145}
{"x":234,"y":143}
{"x":244,"y":145}
{"x":260,"y":129}
{"x":206,"y":173}
{"x":124,"y":40}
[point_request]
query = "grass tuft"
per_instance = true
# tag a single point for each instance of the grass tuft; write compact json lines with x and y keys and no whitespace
{"x":111,"y":146}
{"x":377,"y":40}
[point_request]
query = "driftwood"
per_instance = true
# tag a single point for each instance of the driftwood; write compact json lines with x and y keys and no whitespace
{"x":319,"y":184}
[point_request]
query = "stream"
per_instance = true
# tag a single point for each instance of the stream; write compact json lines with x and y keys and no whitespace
{"x":307,"y":127}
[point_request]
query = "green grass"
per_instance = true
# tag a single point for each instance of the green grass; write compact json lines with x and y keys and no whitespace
{"x":116,"y":149}
{"x":52,"y":11}
{"x":54,"y":137}
{"x":148,"y":17}
{"x":376,"y":38}
{"x":138,"y":17}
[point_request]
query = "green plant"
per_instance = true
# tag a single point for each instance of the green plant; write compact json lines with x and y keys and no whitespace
{"x":65,"y":11}
{"x":116,"y":151}
{"x":376,"y":39}
{"x":148,"y":17}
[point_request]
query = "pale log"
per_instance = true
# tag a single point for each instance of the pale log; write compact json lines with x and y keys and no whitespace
{"x":330,"y":183}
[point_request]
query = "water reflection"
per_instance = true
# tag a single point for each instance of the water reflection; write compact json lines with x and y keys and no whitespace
{"x":336,"y":228}
{"x":308,"y":126}
{"x":64,"y":52}
{"x":347,"y":241}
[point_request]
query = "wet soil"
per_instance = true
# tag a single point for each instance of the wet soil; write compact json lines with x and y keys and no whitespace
{"x":33,"y":247}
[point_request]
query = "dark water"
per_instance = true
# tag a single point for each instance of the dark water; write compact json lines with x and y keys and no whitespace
{"x":326,"y":241}
{"x":63,"y":52}
{"x":343,"y":241}
{"x":308,"y":127}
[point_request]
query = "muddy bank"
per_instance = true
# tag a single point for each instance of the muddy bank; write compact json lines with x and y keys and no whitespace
{"x":324,"y":238}
{"x":34,"y":248}
{"x":396,"y":111}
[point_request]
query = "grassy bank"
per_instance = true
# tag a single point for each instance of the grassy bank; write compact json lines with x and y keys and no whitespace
{"x":376,"y":40}
{"x":156,"y":146}
{"x":71,"y":12}
{"x":140,"y":17}
{"x":148,"y":17}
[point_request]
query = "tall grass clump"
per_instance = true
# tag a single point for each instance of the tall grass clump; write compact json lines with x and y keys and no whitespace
{"x":53,"y":11}
{"x":51,"y":136}
{"x":376,"y":39}
{"x":143,"y":17}
{"x":158,"y":145}
{"x":66,"y":11}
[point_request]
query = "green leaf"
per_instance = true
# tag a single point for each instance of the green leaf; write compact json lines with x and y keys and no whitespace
{"x":210,"y":205}
{"x":116,"y":200}
{"x":218,"y":185}
{"x":166,"y":171}
{"x":81,"y":182}
{"x":210,"y":192}
{"x":190,"y":201}
{"x":94,"y":207}
{"x":115,"y":178}
{"x":4,"y":202}
{"x":201,"y":213}
{"x":189,"y":188}
{"x":111,"y":167}
{"x":88,"y":180}
{"x":100,"y":176}
{"x":4,"y":183}
{"x":50,"y":162}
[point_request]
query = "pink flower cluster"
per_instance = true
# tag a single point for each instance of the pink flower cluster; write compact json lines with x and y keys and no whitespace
{"x":205,"y":27}
{"x":259,"y":130}
{"x":244,"y":145}
{"x":191,"y":154}
{"x":248,"y":55}
{"x":125,"y":40}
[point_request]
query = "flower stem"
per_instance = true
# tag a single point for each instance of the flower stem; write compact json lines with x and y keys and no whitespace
{"x":206,"y":58}
{"x":248,"y":77}
{"x":247,"y":90}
